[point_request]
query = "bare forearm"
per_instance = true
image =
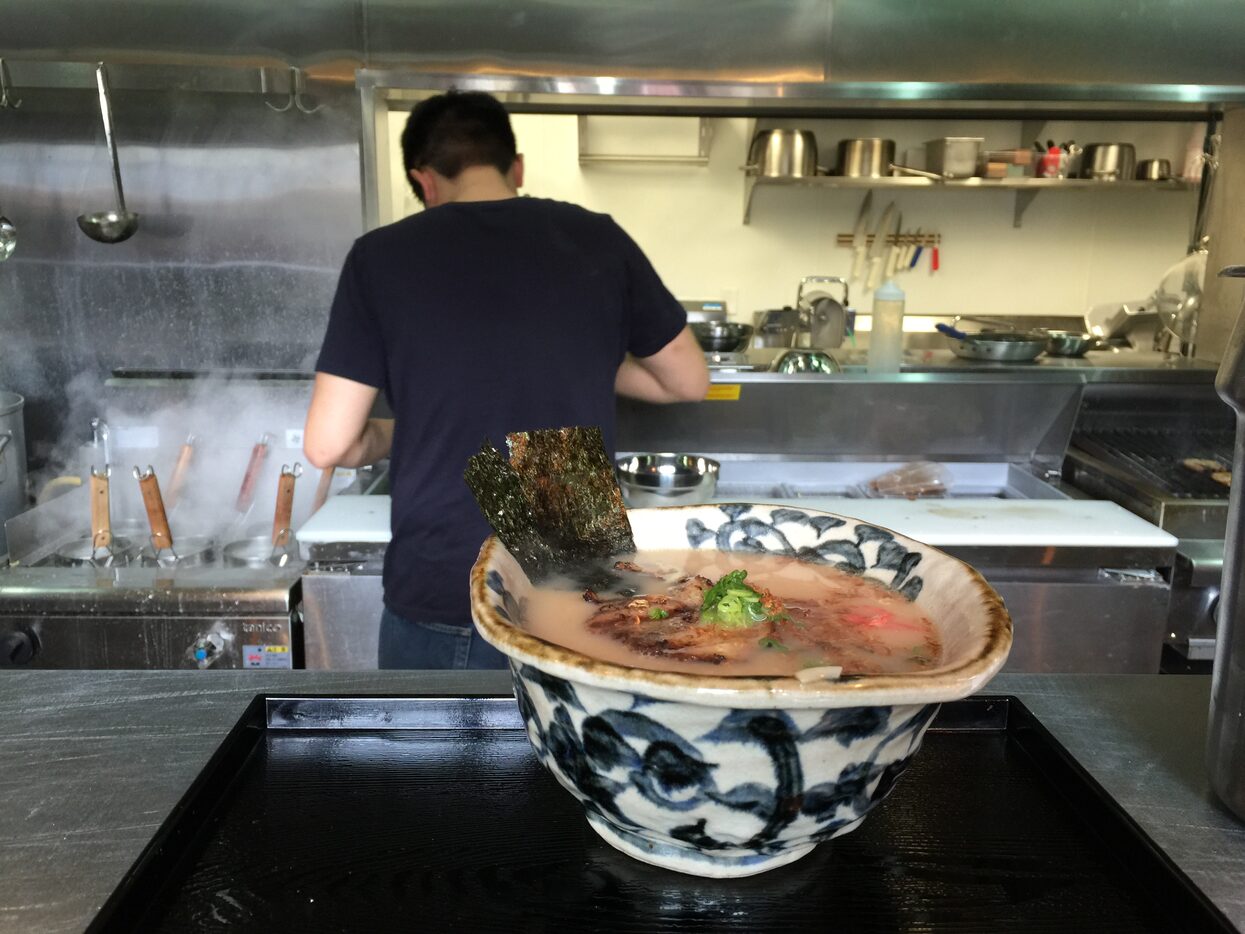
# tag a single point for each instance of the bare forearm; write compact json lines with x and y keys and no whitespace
{"x":641,"y":383}
{"x":637,"y":383}
{"x":373,"y":444}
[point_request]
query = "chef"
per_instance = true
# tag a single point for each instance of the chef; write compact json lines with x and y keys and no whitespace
{"x":486,"y":313}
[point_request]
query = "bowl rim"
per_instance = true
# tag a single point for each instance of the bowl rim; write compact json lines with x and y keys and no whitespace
{"x":750,"y":691}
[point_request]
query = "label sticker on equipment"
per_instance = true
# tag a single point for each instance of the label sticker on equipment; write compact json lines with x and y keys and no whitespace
{"x":267,"y":656}
{"x":723,"y":392}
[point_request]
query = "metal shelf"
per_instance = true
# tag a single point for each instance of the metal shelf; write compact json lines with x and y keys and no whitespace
{"x":1026,"y":188}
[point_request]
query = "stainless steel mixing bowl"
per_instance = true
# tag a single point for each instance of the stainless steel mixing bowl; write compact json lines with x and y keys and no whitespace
{"x":667,"y":479}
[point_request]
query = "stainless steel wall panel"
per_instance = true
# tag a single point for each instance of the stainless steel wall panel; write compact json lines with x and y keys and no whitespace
{"x":300,"y":32}
{"x":853,"y":418}
{"x":245,"y":217}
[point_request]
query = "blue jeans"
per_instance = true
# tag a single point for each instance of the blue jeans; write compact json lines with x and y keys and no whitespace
{"x":406,"y":643}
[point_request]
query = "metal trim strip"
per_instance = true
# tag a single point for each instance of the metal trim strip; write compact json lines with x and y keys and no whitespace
{"x":496,"y":712}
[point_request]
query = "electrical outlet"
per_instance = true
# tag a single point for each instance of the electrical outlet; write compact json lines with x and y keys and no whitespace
{"x":294,"y":438}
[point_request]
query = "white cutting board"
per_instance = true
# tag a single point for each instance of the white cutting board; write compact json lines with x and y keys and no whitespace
{"x":986,"y":521}
{"x":989,"y":521}
{"x":347,"y":519}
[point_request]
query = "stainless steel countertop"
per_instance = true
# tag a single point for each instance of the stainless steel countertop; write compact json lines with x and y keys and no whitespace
{"x":1127,"y":366}
{"x":93,"y":761}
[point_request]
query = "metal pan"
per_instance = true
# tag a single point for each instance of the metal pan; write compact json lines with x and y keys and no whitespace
{"x":995,"y":346}
{"x":1069,"y":343}
{"x":1058,"y":343}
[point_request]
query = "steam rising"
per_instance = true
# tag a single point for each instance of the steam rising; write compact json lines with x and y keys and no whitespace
{"x":226,"y":419}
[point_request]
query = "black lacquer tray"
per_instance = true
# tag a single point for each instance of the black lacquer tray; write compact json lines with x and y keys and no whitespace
{"x":432,"y":814}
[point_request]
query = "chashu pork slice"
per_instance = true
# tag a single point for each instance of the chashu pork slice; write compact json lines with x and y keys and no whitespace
{"x":669,"y":626}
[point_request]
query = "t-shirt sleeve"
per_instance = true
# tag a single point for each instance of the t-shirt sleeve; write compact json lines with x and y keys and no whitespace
{"x":353,"y":346}
{"x":655,"y":316}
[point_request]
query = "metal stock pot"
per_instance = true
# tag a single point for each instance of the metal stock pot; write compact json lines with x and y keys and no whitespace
{"x":783,"y":154}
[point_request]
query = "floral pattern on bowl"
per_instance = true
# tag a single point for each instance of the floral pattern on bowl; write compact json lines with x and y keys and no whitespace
{"x":730,"y":776}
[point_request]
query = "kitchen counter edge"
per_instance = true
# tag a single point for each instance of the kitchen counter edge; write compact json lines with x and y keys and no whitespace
{"x":95,"y":760}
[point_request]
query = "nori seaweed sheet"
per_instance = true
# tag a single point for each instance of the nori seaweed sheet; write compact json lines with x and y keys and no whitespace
{"x":570,"y":482}
{"x":499,"y":493}
{"x":556,"y":505}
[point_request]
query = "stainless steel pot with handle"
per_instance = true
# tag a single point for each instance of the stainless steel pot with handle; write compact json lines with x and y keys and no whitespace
{"x":865,"y":158}
{"x":12,"y":461}
{"x":1108,"y":162}
{"x":783,"y":154}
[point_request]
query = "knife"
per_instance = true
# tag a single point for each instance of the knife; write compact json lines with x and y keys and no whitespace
{"x":913,"y":253}
{"x":892,"y":256}
{"x":859,"y":243}
{"x":878,"y":249}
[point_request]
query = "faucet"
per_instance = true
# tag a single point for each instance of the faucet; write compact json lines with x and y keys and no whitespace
{"x":825,"y":319}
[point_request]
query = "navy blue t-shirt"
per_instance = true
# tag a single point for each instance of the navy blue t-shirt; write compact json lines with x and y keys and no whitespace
{"x":476,"y":319}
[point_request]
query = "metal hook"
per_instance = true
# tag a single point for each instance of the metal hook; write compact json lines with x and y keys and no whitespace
{"x":7,"y":100}
{"x":263,"y":90}
{"x":296,"y":471}
{"x":299,"y":82}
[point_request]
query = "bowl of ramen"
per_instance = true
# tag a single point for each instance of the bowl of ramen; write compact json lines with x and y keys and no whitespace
{"x":747,"y":684}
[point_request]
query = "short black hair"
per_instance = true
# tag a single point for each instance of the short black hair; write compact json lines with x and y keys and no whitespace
{"x":456,"y":130}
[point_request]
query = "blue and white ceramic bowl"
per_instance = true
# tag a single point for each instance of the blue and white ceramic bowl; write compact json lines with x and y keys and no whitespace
{"x":732,"y":776}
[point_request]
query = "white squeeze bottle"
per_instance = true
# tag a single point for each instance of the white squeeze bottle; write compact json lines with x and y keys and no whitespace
{"x":886,"y":333}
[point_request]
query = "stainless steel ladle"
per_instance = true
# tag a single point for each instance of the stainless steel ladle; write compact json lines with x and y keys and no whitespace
{"x":111,"y":226}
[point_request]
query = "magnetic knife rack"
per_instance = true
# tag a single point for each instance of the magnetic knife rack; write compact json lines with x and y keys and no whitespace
{"x":923,"y":239}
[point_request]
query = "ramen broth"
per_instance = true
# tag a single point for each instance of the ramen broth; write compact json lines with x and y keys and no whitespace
{"x":829,"y":618}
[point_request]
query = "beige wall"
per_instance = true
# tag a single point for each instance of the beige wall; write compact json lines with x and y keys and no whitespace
{"x":1075,"y":248}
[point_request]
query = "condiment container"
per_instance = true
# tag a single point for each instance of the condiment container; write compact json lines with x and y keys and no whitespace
{"x":886,"y":330}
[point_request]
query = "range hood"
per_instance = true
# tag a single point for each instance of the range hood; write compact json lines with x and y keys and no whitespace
{"x":1182,"y":52}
